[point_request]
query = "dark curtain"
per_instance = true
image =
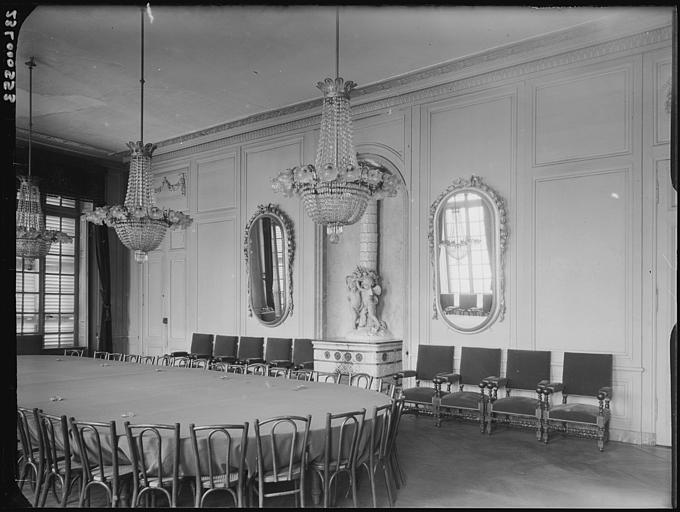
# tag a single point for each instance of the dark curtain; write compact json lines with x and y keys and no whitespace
{"x":101,"y":243}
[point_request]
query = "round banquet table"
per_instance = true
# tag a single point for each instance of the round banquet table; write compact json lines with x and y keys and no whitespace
{"x":97,"y":390}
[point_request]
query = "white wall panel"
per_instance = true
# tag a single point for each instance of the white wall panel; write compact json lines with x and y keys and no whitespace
{"x":216,"y":279}
{"x":583,"y":116}
{"x":177,"y":324}
{"x":172,"y":188}
{"x":581,"y":264}
{"x":216,"y":181}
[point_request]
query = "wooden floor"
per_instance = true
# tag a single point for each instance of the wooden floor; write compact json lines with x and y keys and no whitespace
{"x":456,"y":466}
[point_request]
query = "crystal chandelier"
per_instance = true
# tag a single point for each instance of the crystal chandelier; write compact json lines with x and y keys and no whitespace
{"x":139,"y":223}
{"x":33,"y":241}
{"x":337,"y":188}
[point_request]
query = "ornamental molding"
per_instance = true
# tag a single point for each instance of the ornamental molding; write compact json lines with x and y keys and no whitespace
{"x":540,"y":64}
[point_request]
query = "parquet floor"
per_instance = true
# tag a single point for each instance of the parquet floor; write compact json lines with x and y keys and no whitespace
{"x":456,"y":466}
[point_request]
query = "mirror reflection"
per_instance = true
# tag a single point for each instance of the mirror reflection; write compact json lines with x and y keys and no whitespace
{"x":268,"y":260}
{"x":465,"y":240}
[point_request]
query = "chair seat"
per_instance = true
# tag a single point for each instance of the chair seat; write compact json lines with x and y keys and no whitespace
{"x":516,"y":405}
{"x":419,"y":394}
{"x":108,"y":472}
{"x":221,"y":480}
{"x":282,"y":476}
{"x":583,"y":413}
{"x":464,"y":399}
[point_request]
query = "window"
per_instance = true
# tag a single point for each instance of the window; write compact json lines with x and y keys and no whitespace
{"x":47,"y":295}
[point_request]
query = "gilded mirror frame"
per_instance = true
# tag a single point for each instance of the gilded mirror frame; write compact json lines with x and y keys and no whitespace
{"x":496,"y":205}
{"x":274,"y":212}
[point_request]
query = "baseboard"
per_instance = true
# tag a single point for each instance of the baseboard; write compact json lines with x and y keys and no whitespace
{"x":632,"y":437}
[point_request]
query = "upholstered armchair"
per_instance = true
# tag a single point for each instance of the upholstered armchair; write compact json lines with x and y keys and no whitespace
{"x":224,"y":348}
{"x":432,"y":361}
{"x":584,"y":375}
{"x":476,"y":364}
{"x":524,"y":370}
{"x":201,"y":347}
{"x":278,"y":352}
{"x":303,"y":354}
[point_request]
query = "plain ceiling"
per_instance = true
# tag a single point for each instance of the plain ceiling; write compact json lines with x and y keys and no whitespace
{"x":209,"y":65}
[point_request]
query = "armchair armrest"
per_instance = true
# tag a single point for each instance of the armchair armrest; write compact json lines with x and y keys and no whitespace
{"x":604,"y":393}
{"x":252,"y":360}
{"x":180,"y":353}
{"x":224,"y":359}
{"x":305,"y":365}
{"x":404,"y":374}
{"x":443,"y":378}
{"x":281,"y":363}
{"x":552,"y":387}
{"x":494,"y":382}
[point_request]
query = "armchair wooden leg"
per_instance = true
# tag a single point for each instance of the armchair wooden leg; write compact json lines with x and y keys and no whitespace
{"x":436,"y":411}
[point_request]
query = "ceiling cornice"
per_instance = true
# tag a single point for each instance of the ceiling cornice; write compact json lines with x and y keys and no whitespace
{"x":417,"y":86}
{"x":59,"y":144}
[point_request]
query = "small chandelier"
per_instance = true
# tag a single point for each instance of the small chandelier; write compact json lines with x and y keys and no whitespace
{"x":337,"y":188}
{"x":139,"y":223}
{"x":33,"y":241}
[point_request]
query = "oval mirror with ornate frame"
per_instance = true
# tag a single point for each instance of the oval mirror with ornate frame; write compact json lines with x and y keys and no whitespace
{"x":269,"y":249}
{"x":467,"y":236}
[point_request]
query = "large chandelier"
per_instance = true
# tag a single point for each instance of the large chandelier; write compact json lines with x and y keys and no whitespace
{"x":33,"y":241}
{"x":337,"y":188}
{"x":139,"y":223}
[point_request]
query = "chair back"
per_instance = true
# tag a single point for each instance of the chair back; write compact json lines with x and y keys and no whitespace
{"x":91,"y":438}
{"x":303,"y":352}
{"x":202,"y":344}
{"x":56,"y":444}
{"x":257,"y":369}
{"x":278,"y":349}
{"x":341,"y":439}
{"x":584,"y":374}
{"x":385,"y":385}
{"x":327,"y":377}
{"x":114,"y":356}
{"x":361,"y":380}
{"x":225,"y":346}
{"x":250,"y":347}
{"x":307,"y":375}
{"x":279,"y":372}
{"x":131,"y":358}
{"x":395,"y":419}
{"x":467,"y":301}
{"x":526,"y":368}
{"x":433,"y":359}
{"x":380,"y":431}
{"x":29,"y":437}
{"x":478,"y":363}
{"x":222,"y":453}
{"x":76,"y":352}
{"x":147,"y":360}
{"x":287,"y":437}
{"x":151,"y":447}
{"x":100,"y":354}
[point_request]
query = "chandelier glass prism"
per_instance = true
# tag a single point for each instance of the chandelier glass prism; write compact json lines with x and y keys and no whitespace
{"x":33,"y":241}
{"x":139,"y":223}
{"x":337,"y":188}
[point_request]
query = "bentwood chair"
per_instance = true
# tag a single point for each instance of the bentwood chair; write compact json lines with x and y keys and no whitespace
{"x":385,"y":385}
{"x":392,"y":453}
{"x":74,"y":352}
{"x":303,"y":354}
{"x":432,"y":361}
{"x":284,"y":460}
{"x":361,"y":380}
{"x":151,"y":447}
{"x":257,"y":369}
{"x":376,"y":456}
{"x":114,"y":356}
{"x":327,"y":377}
{"x":302,"y":374}
{"x":60,"y":466}
{"x":219,"y":457}
{"x":476,"y":364}
{"x":278,"y":352}
{"x":341,"y":439}
{"x":32,"y":462}
{"x":524,"y":370}
{"x":100,"y":354}
{"x":97,"y":448}
{"x":147,"y":360}
{"x":584,"y":375}
{"x":279,"y":372}
{"x":131,"y":358}
{"x":224,"y":348}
